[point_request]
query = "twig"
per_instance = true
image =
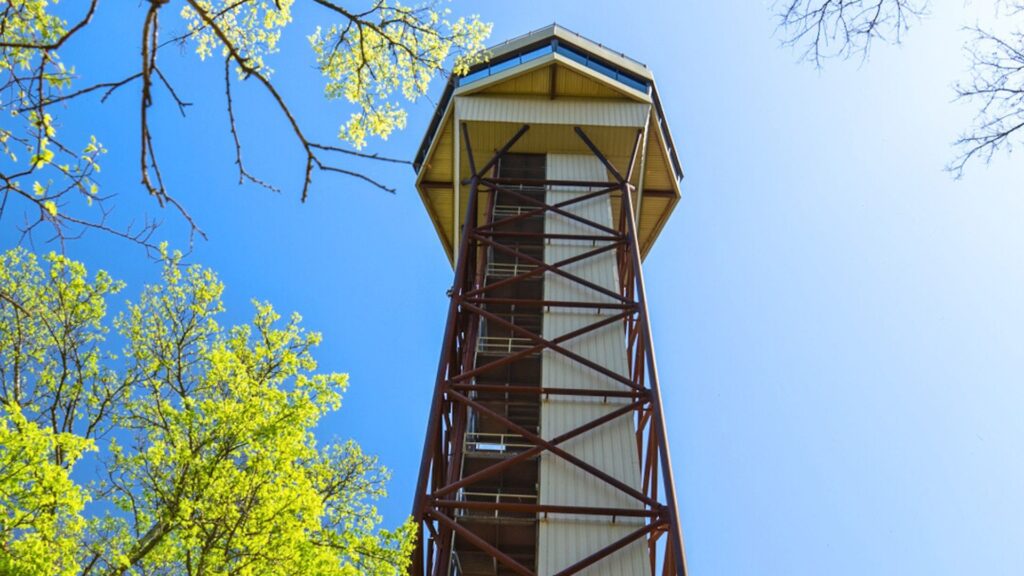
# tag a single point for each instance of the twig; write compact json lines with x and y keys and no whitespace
{"x":243,"y":174}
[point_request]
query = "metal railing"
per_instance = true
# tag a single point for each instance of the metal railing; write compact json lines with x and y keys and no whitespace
{"x":507,"y":210}
{"x":508,"y":269}
{"x":496,"y":442}
{"x":495,"y":498}
{"x":503,"y":344}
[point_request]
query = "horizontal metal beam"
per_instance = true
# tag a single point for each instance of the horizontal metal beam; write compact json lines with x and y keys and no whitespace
{"x":540,"y":270}
{"x":547,"y":508}
{"x":465,"y":385}
{"x":532,"y":452}
{"x":554,"y":449}
{"x":550,"y":303}
{"x":604,"y":184}
{"x":481,"y":544}
{"x":539,"y":390}
{"x":608,"y":550}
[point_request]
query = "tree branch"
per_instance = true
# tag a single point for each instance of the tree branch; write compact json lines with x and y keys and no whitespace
{"x":63,"y":37}
{"x":251,"y":72}
{"x":997,"y":87}
{"x":841,"y":28}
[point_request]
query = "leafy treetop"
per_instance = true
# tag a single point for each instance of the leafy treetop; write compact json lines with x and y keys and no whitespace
{"x":374,"y":58}
{"x":202,"y":436}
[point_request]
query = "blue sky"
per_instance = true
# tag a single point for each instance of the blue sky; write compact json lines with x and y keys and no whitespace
{"x":839,"y":324}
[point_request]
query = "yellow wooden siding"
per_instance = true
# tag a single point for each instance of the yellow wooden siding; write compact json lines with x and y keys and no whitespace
{"x":437,"y":167}
{"x":440,"y":209}
{"x":653,"y":214}
{"x":536,"y":82}
{"x":657,"y":176}
{"x":568,"y":83}
{"x":573,"y":84}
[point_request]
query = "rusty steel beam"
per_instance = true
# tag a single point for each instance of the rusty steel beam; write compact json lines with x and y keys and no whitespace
{"x":675,"y":543}
{"x":469,"y":151}
{"x":608,"y":550}
{"x":551,"y":344}
{"x":559,"y":208}
{"x":542,"y":391}
{"x":548,"y":508}
{"x":482,"y":544}
{"x":542,"y":443}
{"x":437,"y":402}
{"x":440,"y":472}
{"x":543,"y":343}
{"x":541,"y":207}
{"x":430,"y":444}
{"x":501,"y":152}
{"x":551,"y":303}
{"x":540,"y":270}
{"x":549,"y":267}
{"x":547,"y":236}
{"x":554,"y":344}
{"x":633,"y":156}
{"x":536,"y":450}
{"x":540,"y":183}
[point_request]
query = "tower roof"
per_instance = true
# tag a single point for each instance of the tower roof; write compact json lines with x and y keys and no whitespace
{"x":554,"y":80}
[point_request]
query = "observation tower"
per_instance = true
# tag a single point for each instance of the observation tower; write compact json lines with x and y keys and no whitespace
{"x":548,"y":173}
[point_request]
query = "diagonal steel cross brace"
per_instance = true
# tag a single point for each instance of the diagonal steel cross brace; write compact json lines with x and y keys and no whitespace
{"x":549,"y":267}
{"x":542,"y":269}
{"x":480,"y":543}
{"x":556,"y":208}
{"x":552,"y":344}
{"x":546,"y":445}
{"x":536,"y":450}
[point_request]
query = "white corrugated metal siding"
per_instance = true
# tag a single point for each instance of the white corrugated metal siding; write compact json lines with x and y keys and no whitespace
{"x":545,"y":111}
{"x":565,"y":539}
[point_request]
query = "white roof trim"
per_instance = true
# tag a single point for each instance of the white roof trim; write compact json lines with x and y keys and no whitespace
{"x":617,"y":58}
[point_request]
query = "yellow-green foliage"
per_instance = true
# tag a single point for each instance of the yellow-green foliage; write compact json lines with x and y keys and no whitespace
{"x":375,"y":57}
{"x":27,"y":139}
{"x":252,"y":27}
{"x":42,"y":524}
{"x":203,"y":435}
{"x":365,"y":59}
{"x":366,"y":64}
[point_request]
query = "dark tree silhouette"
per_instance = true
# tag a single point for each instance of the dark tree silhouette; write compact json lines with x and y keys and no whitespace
{"x":824,"y":29}
{"x":997,"y":86}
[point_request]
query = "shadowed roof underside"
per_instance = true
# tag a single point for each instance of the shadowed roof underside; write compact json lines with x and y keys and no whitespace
{"x":553,"y":80}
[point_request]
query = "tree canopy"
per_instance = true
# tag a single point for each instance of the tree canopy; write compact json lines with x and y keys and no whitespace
{"x":374,"y":57}
{"x":162,"y":442}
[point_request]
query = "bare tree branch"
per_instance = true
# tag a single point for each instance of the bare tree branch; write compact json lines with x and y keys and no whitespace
{"x":409,"y":45}
{"x":825,"y":29}
{"x":251,"y":72}
{"x":63,"y":37}
{"x":997,"y":86}
{"x":109,"y":86}
{"x":243,"y":174}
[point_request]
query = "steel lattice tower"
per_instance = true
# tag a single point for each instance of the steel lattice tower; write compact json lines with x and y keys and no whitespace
{"x":548,"y":173}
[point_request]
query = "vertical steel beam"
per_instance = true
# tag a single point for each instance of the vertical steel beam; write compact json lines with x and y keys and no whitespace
{"x":440,"y":471}
{"x":429,"y":464}
{"x":658,"y":420}
{"x":434,"y":423}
